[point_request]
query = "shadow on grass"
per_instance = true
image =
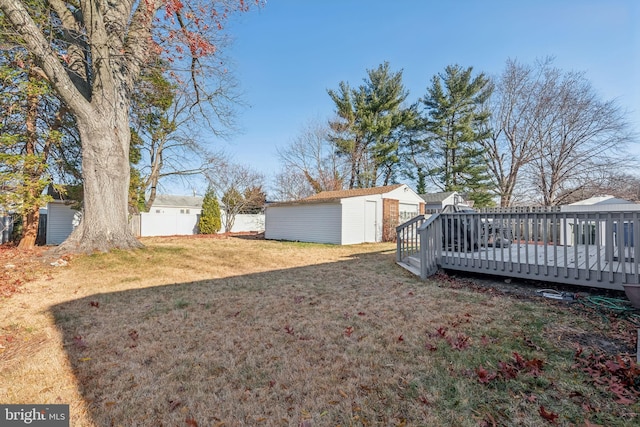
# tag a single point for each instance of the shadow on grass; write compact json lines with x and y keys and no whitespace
{"x":283,"y":347}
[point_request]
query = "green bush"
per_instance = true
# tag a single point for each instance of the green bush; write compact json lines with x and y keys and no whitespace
{"x":210,"y":221}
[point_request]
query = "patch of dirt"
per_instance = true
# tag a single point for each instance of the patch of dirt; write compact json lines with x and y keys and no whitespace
{"x":524,"y":289}
{"x":613,"y":331}
{"x":18,"y":267}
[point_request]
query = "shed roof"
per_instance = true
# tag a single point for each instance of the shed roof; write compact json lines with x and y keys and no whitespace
{"x":335,"y":196}
{"x":601,"y":200}
{"x":436,"y":197}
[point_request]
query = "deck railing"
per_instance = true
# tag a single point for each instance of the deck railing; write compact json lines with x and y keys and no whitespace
{"x":407,"y":240}
{"x":430,"y":236}
{"x":598,"y":249}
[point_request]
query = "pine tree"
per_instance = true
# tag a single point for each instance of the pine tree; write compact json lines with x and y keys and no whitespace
{"x":368,"y":124}
{"x":210,"y":221}
{"x":456,"y":122}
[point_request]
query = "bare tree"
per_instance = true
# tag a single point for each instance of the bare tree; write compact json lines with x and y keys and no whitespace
{"x":609,"y":182}
{"x":311,"y":155}
{"x":239,"y":188}
{"x":577,"y":136}
{"x":510,"y":145}
{"x":291,"y":185}
{"x":93,"y":52}
{"x":168,"y":122}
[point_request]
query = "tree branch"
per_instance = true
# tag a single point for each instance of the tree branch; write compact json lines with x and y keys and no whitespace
{"x":34,"y":41}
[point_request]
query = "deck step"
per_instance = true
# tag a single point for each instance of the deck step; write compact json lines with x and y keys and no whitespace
{"x":414,"y":261}
{"x":409,"y":266}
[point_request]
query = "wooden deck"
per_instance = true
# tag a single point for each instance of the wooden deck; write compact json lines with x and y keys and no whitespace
{"x":562,"y":252}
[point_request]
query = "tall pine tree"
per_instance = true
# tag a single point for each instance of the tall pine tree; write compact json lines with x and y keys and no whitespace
{"x":455,"y":121}
{"x":366,"y":129}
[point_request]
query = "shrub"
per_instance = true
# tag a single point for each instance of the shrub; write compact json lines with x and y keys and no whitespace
{"x":210,"y":221}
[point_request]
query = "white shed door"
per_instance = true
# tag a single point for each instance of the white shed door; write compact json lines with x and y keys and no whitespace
{"x":370,"y":221}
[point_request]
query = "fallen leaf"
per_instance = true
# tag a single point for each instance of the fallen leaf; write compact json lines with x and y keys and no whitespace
{"x":484,"y":376}
{"x":191,"y":422}
{"x":79,"y":342}
{"x":552,"y":417}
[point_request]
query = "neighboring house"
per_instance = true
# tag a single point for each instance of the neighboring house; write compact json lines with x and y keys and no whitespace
{"x":587,"y":232}
{"x":171,"y":215}
{"x":601,"y":204}
{"x":179,"y":215}
{"x":434,"y":202}
{"x":62,"y":216}
{"x":344,"y":217}
{"x":169,"y":204}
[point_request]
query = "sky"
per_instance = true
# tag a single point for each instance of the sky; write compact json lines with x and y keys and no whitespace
{"x":288,"y":53}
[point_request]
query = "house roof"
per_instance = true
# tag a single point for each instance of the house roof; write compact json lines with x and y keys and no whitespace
{"x":66,"y":193}
{"x":172,"y":201}
{"x":601,"y":200}
{"x":335,"y":196}
{"x":436,"y":197}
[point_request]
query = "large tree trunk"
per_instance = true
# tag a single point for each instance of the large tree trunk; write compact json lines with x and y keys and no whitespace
{"x":105,"y":167}
{"x":30,"y":221}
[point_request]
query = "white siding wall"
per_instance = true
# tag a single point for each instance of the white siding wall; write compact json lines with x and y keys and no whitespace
{"x":353,"y":219}
{"x":630,"y":207}
{"x":318,"y":222}
{"x":161,"y":210}
{"x":408,"y":197}
{"x":59,"y":222}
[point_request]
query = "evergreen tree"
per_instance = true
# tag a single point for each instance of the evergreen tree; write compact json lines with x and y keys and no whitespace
{"x":37,"y":140}
{"x":210,"y":221}
{"x":367,"y":127}
{"x":455,"y":122}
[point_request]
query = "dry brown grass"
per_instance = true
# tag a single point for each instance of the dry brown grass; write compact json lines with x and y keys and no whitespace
{"x":240,"y":332}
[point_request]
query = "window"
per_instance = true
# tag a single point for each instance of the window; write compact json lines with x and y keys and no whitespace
{"x":407,"y":212}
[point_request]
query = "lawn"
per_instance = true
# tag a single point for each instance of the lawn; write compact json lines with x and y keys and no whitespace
{"x":240,"y":332}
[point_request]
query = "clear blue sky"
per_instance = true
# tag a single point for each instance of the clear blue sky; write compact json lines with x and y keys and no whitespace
{"x":289,"y":52}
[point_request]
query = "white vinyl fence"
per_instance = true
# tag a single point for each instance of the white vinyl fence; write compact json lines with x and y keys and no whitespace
{"x":168,"y":224}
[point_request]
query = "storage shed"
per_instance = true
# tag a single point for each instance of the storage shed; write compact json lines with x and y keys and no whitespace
{"x":344,"y":217}
{"x":434,"y":202}
{"x":62,"y":213}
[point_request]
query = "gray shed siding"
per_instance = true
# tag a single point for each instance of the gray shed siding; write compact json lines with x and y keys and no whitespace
{"x":317,"y":223}
{"x":59,"y":223}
